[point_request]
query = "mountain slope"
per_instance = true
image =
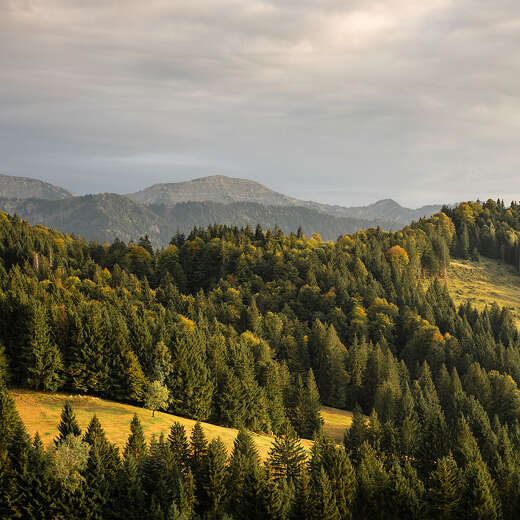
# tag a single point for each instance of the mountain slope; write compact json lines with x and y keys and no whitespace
{"x":186,"y":215}
{"x":216,"y":188}
{"x":101,"y":217}
{"x":390,"y":211}
{"x":108,"y":216}
{"x":228,"y":190}
{"x":26,"y":188}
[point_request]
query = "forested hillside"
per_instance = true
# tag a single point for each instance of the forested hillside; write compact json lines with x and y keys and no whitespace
{"x":256,"y":330}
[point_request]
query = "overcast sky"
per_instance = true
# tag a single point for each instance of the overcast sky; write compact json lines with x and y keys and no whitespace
{"x":340,"y":101}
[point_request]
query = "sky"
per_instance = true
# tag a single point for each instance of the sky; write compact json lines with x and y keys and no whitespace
{"x":338,"y":101}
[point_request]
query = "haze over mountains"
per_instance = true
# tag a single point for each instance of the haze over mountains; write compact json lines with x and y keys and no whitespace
{"x":163,"y":209}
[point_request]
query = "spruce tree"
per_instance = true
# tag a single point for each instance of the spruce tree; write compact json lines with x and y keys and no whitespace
{"x":179,"y":446}
{"x":322,"y":502}
{"x":244,"y":461}
{"x":213,"y":480}
{"x":190,"y":384}
{"x":198,"y":450}
{"x":43,"y":359}
{"x":286,"y":457}
{"x":68,"y":424}
{"x":444,"y":490}
{"x":136,"y":444}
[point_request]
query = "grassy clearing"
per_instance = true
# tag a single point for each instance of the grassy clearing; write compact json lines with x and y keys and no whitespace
{"x":485,"y":282}
{"x":41,"y":413}
{"x":335,"y":422}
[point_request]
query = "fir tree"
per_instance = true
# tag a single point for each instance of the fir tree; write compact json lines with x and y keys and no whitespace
{"x":68,"y":424}
{"x":286,"y":456}
{"x":43,"y":359}
{"x":213,"y":479}
{"x":136,"y":444}
{"x":179,"y":446}
{"x":444,"y":490}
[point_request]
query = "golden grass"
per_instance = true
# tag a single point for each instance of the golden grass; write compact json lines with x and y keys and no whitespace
{"x":335,"y":422}
{"x":41,"y":413}
{"x":485,"y":282}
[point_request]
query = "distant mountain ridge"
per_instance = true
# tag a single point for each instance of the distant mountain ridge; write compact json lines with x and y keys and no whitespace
{"x":163,"y":209}
{"x":27,"y":188}
{"x":215,"y":188}
{"x":226,"y":190}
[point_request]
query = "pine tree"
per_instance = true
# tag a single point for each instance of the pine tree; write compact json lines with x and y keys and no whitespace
{"x":179,"y":446}
{"x":300,"y":509}
{"x":198,"y":450}
{"x":136,"y":444}
{"x":244,"y":461}
{"x":190,"y":383}
{"x":478,"y":498}
{"x":213,"y":479}
{"x":286,"y":456}
{"x":341,"y":474}
{"x":43,"y":359}
{"x":406,"y":492}
{"x":444,"y":490}
{"x":322,"y":502}
{"x":68,"y":424}
{"x":306,"y":417}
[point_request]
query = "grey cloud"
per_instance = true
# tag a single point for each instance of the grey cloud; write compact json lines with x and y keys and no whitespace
{"x":340,"y":101}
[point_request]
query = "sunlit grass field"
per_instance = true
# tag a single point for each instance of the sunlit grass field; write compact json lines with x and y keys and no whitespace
{"x":41,"y":413}
{"x":485,"y":282}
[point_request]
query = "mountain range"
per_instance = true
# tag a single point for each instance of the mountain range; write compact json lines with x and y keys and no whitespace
{"x":163,"y":209}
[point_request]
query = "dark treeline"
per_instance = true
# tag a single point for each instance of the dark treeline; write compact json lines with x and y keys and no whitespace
{"x":253,"y":329}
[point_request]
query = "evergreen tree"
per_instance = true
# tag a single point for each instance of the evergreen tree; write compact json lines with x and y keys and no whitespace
{"x":179,"y":446}
{"x":444,"y":490}
{"x":136,"y":444}
{"x":213,"y":479}
{"x":43,"y":359}
{"x":286,"y":456}
{"x":68,"y":424}
{"x":322,"y":502}
{"x":198,"y":450}
{"x":306,"y":413}
{"x":190,"y":384}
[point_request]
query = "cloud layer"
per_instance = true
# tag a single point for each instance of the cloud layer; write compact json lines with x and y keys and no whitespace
{"x":342,"y":102}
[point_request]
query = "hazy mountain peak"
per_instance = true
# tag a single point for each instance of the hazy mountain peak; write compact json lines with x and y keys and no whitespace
{"x":215,"y":188}
{"x":385,"y":203}
{"x":26,"y":188}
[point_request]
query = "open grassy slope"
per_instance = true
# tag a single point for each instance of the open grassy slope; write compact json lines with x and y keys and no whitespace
{"x":41,"y":413}
{"x":485,"y":282}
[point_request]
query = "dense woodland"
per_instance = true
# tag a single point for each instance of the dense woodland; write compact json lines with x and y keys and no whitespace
{"x":254,"y":330}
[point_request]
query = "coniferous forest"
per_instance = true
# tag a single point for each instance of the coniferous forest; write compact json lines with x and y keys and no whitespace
{"x":256,"y":330}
